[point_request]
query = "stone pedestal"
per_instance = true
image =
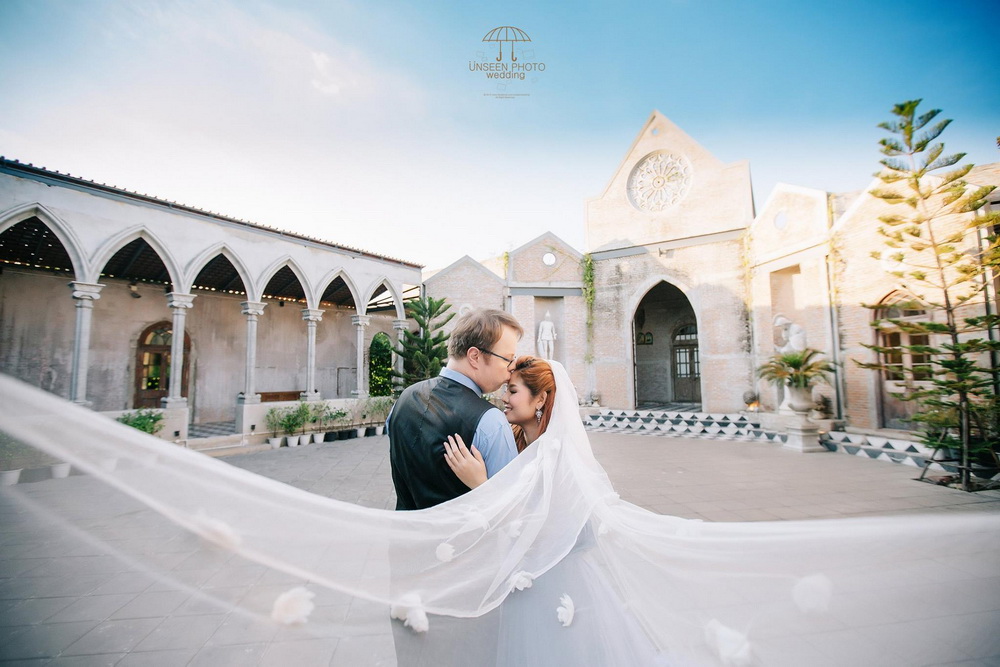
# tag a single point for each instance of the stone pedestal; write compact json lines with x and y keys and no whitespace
{"x":803,"y":436}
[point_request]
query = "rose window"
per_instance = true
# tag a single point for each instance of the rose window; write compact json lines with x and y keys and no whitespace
{"x":659,"y":181}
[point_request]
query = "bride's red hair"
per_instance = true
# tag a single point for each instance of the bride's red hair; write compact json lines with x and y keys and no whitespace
{"x":536,"y":375}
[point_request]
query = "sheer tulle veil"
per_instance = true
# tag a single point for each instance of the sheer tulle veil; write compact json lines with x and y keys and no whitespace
{"x":704,"y":593}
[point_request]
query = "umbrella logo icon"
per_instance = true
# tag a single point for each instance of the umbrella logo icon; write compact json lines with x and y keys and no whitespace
{"x":506,"y":33}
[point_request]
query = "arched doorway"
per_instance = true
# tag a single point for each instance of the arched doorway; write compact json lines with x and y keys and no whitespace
{"x":665,"y":338}
{"x":152,"y":365}
{"x":380,"y":365}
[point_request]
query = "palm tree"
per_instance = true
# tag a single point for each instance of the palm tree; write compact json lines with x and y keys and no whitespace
{"x":796,"y":369}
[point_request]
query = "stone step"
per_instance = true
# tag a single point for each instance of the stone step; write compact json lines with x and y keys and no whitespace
{"x":685,"y":421}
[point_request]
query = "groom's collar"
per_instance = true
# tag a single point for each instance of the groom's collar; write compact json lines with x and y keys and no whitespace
{"x":462,"y":379}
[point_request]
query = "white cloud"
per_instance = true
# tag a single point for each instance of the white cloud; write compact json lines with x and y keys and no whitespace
{"x":325,"y":83}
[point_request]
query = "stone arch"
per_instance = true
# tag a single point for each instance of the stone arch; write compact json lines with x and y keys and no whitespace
{"x":396,"y":298}
{"x":293,"y":266}
{"x":343,"y":275}
{"x":201,"y":261}
{"x":122,"y":239}
{"x":62,"y":231}
{"x":656,"y":376}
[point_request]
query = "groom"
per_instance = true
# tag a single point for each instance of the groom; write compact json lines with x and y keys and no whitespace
{"x":481,"y":352}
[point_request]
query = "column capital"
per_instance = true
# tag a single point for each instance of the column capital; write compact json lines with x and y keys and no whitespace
{"x":86,"y":291}
{"x":312,"y":315}
{"x":400,"y":325}
{"x":178,"y":300}
{"x":361,"y":320}
{"x":252,"y":307}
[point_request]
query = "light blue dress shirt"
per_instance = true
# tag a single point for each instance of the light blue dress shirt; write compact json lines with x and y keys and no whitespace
{"x":494,"y":438}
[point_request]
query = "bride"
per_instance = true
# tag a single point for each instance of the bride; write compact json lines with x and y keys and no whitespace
{"x":565,"y":571}
{"x":599,"y":630}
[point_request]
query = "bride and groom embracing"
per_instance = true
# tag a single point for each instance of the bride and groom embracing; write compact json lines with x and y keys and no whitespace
{"x":542,"y":564}
{"x":571,"y":615}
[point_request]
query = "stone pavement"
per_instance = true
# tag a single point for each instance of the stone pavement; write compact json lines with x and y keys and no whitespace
{"x":73,"y":592}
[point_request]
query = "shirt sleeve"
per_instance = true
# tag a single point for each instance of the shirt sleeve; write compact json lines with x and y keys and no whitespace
{"x":495,"y":441}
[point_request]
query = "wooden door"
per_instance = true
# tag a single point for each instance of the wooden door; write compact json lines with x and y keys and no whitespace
{"x":152,"y":365}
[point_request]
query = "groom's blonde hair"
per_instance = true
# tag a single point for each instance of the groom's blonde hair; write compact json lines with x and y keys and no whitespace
{"x":480,"y":329}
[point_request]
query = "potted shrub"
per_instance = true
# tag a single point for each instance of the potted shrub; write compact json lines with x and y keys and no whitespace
{"x":318,"y":415}
{"x":342,"y":421}
{"x":798,"y":371}
{"x":274,"y":422}
{"x":16,"y":456}
{"x":335,"y":417}
{"x":359,"y":417}
{"x":292,"y":421}
{"x":378,"y":411}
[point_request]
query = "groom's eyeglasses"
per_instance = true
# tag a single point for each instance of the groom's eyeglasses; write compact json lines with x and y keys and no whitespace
{"x":510,"y":362}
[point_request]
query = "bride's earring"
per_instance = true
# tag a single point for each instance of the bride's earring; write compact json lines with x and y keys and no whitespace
{"x":538,"y":415}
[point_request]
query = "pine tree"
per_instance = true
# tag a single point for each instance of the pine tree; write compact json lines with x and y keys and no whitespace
{"x":425,"y":352}
{"x":941,"y":253}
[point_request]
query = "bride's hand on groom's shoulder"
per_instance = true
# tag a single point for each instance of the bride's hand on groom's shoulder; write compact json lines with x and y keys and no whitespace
{"x":467,"y":465}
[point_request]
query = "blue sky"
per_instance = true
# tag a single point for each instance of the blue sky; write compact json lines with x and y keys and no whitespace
{"x":360,"y":122}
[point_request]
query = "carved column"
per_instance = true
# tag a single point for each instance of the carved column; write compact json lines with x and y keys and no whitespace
{"x":252,"y":310}
{"x":179,"y":304}
{"x":360,"y":322}
{"x":399,"y":326}
{"x":312,"y":317}
{"x":84,"y":296}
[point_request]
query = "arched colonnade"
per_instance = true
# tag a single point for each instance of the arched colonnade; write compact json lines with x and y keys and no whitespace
{"x":103,"y":247}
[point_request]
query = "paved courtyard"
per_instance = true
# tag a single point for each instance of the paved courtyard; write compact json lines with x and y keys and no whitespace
{"x":73,"y":592}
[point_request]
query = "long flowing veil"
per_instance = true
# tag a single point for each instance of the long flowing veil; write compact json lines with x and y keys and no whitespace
{"x":703,"y":593}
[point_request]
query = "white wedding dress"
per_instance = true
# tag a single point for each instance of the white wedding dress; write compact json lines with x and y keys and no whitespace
{"x":544,"y":564}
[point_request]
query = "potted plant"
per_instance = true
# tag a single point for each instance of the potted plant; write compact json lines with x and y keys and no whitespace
{"x":336,"y":417}
{"x":274,"y":422}
{"x":292,"y":420}
{"x":798,"y":371}
{"x":303,"y":415}
{"x":378,"y":411}
{"x":359,"y":417}
{"x":318,"y":414}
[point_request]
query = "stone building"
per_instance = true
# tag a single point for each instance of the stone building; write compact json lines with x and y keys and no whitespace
{"x":540,"y":281}
{"x":693,"y":288}
{"x":106,"y":295}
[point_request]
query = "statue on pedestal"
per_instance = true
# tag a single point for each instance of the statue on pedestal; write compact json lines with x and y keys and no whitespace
{"x":791,"y":338}
{"x":546,"y":341}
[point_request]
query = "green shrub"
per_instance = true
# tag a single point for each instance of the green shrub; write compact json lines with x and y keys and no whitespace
{"x":147,"y":420}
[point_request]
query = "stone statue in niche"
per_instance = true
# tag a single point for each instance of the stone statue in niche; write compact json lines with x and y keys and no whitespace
{"x":546,"y":341}
{"x":790,"y":337}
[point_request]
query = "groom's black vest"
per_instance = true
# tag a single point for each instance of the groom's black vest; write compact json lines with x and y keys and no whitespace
{"x":421,"y":420}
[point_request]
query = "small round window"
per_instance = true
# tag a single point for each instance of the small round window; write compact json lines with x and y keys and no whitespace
{"x":548,"y":259}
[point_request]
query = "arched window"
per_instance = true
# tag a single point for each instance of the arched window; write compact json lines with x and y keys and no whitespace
{"x":152,"y":365}
{"x":903,"y":364}
{"x":904,"y":368}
